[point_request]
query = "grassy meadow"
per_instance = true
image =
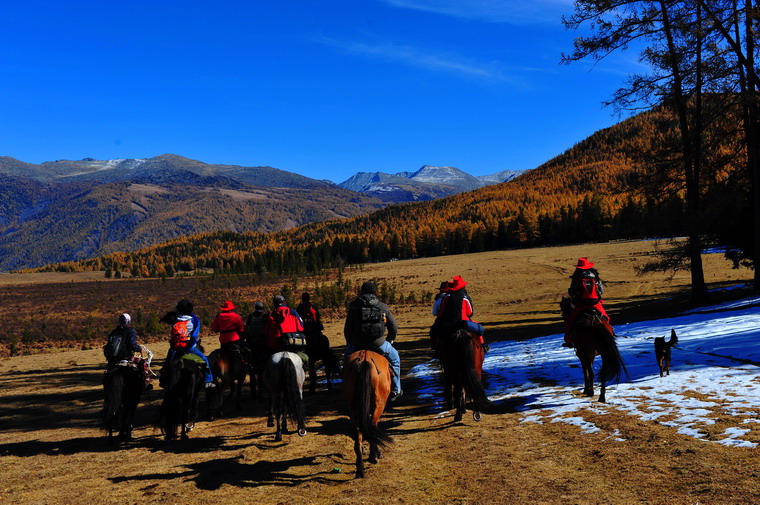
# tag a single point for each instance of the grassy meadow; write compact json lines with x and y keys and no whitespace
{"x":52,"y":451}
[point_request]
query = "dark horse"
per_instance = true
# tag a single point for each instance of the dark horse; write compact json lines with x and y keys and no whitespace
{"x":461,"y":356}
{"x":318,"y":349}
{"x":229,"y":371}
{"x":283,"y":379}
{"x":367,"y":384}
{"x":123,"y":385}
{"x":594,"y":336}
{"x":180,"y":405}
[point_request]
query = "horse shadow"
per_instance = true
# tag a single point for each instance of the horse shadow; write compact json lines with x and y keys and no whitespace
{"x":213,"y":474}
{"x":31,"y":448}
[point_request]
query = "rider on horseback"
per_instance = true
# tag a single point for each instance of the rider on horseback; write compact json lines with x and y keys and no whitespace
{"x":122,"y":345}
{"x":122,"y":341}
{"x":283,"y":329}
{"x":366,"y":322}
{"x":229,"y":325}
{"x":312,"y":321}
{"x":586,"y":290}
{"x":186,"y":327}
{"x":454,"y":311}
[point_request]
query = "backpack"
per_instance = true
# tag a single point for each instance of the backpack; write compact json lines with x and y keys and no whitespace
{"x":372,"y":321}
{"x":254,"y":327}
{"x":116,"y":348}
{"x":180,"y":336}
{"x":451,"y":313}
{"x":588,"y":291}
{"x":309,"y":317}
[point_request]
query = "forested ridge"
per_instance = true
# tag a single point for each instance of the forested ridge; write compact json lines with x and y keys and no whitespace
{"x":584,"y":194}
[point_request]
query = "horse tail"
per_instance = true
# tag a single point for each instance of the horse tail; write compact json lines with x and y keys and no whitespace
{"x":292,"y":391}
{"x":114,"y":392}
{"x":363,"y":403}
{"x":470,"y":380}
{"x":612,"y":361}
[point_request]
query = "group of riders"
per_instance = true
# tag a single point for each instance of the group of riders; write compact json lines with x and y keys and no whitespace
{"x":369,"y":325}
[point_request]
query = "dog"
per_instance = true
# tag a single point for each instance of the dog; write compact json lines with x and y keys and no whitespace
{"x":662,"y":352}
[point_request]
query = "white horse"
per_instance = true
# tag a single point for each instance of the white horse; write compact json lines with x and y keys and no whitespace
{"x":283,"y":378}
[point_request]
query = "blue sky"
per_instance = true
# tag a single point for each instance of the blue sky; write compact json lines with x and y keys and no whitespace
{"x":323,"y":88}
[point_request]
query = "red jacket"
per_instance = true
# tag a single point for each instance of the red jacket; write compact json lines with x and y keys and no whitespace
{"x":228,"y":325}
{"x":281,"y":320}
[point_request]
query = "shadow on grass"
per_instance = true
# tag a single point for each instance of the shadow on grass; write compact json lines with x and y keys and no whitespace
{"x":213,"y":474}
{"x":64,"y":447}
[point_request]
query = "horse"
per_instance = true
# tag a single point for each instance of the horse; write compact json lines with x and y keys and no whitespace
{"x":318,"y":349}
{"x":123,"y":385}
{"x":180,"y":403}
{"x":229,"y":370}
{"x":283,"y":379}
{"x":594,"y":336}
{"x":367,"y":385}
{"x":461,"y":356}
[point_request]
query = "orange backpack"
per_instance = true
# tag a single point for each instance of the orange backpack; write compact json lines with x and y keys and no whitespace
{"x":180,"y":337}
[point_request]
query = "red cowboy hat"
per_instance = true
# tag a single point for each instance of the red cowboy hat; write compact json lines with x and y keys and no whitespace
{"x":457,"y":283}
{"x":444,"y":286}
{"x":584,"y":264}
{"x":228,"y":305}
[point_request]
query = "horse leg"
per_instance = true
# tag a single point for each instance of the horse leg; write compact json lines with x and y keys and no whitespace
{"x":270,"y":416}
{"x":110,"y":440}
{"x":238,"y":384}
{"x":448,"y":391}
{"x":588,"y":375}
{"x":459,"y":402}
{"x":374,"y":453}
{"x":358,"y":452}
{"x":602,"y":395}
{"x":312,"y":375}
{"x":329,"y":372}
{"x":281,"y":419}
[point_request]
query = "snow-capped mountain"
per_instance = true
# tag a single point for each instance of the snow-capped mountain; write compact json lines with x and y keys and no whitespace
{"x":427,"y":183}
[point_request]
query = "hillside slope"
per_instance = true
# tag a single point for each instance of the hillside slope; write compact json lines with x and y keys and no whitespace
{"x":71,"y":210}
{"x":575,"y":197}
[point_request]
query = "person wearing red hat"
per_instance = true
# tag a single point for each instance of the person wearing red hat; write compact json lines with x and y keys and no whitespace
{"x":586,"y":290}
{"x":228,"y":324}
{"x":455,"y":312}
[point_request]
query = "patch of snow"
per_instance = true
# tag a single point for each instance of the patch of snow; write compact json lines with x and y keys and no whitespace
{"x":713,"y":371}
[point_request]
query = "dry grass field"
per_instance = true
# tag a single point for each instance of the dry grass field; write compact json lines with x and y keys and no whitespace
{"x":52,"y":451}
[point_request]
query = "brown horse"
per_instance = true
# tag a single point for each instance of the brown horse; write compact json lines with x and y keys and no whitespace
{"x":594,"y":336}
{"x":229,"y":371}
{"x":367,"y":384}
{"x":461,"y":356}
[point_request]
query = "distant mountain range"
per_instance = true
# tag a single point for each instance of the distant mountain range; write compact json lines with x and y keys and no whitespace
{"x":427,"y":183}
{"x":581,"y":195}
{"x":68,"y":210}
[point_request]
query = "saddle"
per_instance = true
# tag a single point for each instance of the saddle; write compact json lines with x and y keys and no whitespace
{"x":240,"y":349}
{"x":375,"y":349}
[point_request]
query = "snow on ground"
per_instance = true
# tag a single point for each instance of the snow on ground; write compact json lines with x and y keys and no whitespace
{"x":712,"y":392}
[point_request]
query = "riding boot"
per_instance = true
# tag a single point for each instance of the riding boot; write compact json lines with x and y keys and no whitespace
{"x":568,"y":342}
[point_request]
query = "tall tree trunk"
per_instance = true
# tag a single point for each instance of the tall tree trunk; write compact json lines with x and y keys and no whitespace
{"x":753,"y":141}
{"x":690,"y":166}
